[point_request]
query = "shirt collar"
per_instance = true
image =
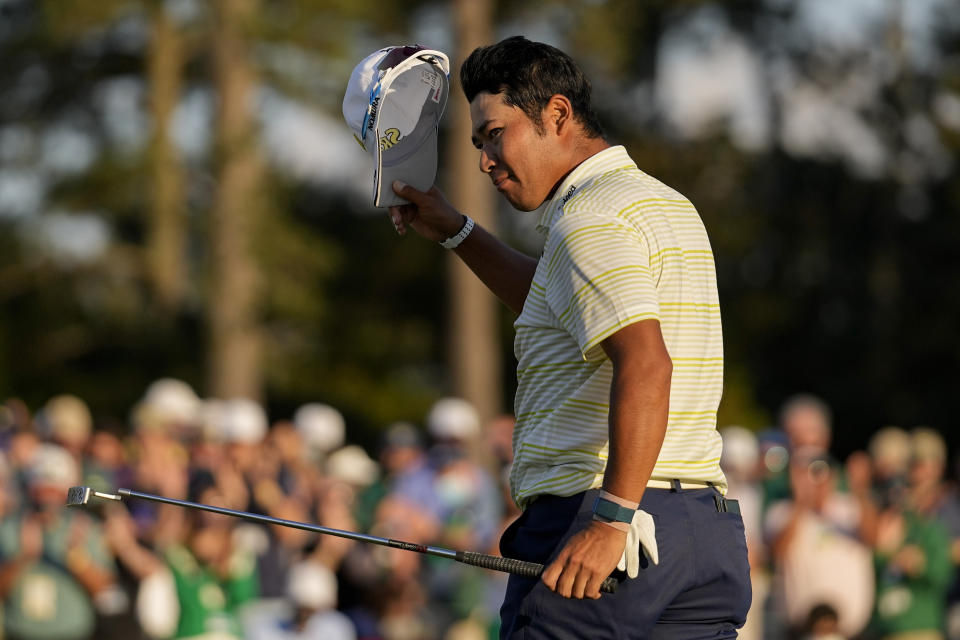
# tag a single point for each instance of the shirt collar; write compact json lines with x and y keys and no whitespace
{"x":582,"y":174}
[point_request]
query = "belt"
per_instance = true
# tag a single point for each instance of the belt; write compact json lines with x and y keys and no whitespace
{"x":723,"y":504}
{"x":677,"y":484}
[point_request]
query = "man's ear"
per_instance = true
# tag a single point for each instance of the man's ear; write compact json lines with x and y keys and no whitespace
{"x":558,"y":114}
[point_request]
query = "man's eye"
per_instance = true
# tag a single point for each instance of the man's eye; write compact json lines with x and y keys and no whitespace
{"x":495,"y":133}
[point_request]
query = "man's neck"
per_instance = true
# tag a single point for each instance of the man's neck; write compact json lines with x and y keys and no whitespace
{"x":584,"y":150}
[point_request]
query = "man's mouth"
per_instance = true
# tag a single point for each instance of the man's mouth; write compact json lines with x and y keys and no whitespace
{"x":500,"y":181}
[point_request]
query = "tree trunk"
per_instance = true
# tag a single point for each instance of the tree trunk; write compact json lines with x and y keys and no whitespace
{"x":166,"y":237}
{"x":235,"y":346}
{"x":474,"y":336}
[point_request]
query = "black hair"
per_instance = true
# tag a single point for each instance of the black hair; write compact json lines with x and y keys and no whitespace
{"x":528,"y":74}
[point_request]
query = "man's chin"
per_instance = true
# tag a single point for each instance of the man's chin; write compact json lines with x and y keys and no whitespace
{"x":521,"y":205}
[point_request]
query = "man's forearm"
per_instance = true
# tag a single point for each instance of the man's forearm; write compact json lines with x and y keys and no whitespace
{"x":504,"y":270}
{"x":639,"y":404}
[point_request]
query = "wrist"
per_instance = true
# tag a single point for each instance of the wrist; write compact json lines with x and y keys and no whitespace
{"x":614,"y":511}
{"x":622,"y":527}
{"x":623,"y":502}
{"x":453,"y":241}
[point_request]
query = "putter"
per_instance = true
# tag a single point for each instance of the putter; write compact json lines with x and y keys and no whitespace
{"x":80,"y":496}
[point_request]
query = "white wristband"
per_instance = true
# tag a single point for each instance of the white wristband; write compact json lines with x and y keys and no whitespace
{"x":454,"y":241}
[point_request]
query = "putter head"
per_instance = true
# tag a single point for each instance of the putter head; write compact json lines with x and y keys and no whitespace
{"x":78,"y":496}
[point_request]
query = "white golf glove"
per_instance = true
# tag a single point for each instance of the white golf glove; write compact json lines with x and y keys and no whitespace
{"x":642,"y":533}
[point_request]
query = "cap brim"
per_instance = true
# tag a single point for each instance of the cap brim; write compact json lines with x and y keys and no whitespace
{"x":416,"y":167}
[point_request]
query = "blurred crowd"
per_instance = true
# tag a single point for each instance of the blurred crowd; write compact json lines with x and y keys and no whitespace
{"x":141,"y":569}
{"x":861,"y":549}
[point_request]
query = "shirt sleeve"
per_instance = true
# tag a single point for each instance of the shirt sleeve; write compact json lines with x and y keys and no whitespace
{"x":598,"y":278}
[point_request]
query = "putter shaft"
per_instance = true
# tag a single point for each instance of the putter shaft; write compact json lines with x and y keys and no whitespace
{"x":78,"y":496}
{"x":263,"y":519}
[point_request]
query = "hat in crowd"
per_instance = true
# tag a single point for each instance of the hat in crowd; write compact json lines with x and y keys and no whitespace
{"x":927,"y":445}
{"x":210,"y":419}
{"x":52,"y":465}
{"x":242,"y":421}
{"x":889,"y":448}
{"x":352,"y":465}
{"x":167,"y":405}
{"x":740,"y":449}
{"x":321,"y":426}
{"x":65,"y":418}
{"x":174,"y":399}
{"x":453,"y":419}
{"x":312,"y":586}
{"x":393,"y":104}
{"x":401,"y":435}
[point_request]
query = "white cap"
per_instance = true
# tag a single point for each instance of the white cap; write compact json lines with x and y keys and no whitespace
{"x":242,"y":421}
{"x":312,"y":586}
{"x":211,"y":419}
{"x":66,"y":418}
{"x":394,"y":102}
{"x":453,"y":419}
{"x":352,"y":465}
{"x":321,"y":426}
{"x":52,"y":465}
{"x":740,"y":450}
{"x":172,"y":400}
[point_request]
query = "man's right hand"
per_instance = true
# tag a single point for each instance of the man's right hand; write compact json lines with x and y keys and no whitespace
{"x":428,"y":213}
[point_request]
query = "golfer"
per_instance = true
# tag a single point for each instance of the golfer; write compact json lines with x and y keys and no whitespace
{"x":620,"y":366}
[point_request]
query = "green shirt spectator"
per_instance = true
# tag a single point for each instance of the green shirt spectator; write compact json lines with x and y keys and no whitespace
{"x":209,"y":602}
{"x":912,"y":576}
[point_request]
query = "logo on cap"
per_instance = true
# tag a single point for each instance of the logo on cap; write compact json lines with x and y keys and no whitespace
{"x":389,"y":138}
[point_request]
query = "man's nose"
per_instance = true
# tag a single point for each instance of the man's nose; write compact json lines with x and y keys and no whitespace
{"x":487,"y":162}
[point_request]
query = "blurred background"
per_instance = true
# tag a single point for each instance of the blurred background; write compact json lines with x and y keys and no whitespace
{"x":189,"y":258}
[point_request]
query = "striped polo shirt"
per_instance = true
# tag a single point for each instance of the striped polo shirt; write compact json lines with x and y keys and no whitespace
{"x":621,"y":247}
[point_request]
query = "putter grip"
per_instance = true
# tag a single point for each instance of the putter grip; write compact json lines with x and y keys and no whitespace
{"x":517,"y":567}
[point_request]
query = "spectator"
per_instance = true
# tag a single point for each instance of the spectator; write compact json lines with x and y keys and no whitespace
{"x":913,"y":550}
{"x":469,"y":503}
{"x":383,"y":589}
{"x":818,"y":557}
{"x":467,"y":500}
{"x":403,"y":461}
{"x":174,"y":407}
{"x":212,"y":578}
{"x":889,"y":450}
{"x":54,"y":566}
{"x":349,"y":471}
{"x":806,"y":419}
{"x":806,"y":424}
{"x":286,"y":546}
{"x":65,"y":420}
{"x":322,"y":429}
{"x":106,"y":465}
{"x":309,"y":612}
{"x":160,"y":459}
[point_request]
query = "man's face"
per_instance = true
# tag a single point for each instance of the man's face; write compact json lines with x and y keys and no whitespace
{"x":515,"y":155}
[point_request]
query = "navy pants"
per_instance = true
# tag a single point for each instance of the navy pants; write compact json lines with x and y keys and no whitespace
{"x":699,"y":589}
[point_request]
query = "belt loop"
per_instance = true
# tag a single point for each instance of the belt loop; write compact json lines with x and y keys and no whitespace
{"x":675,"y":486}
{"x":721,"y":503}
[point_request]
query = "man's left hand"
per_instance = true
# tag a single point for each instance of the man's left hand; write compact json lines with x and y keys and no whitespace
{"x":585,"y":562}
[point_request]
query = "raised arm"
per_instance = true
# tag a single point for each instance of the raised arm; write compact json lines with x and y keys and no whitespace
{"x":504,"y":270}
